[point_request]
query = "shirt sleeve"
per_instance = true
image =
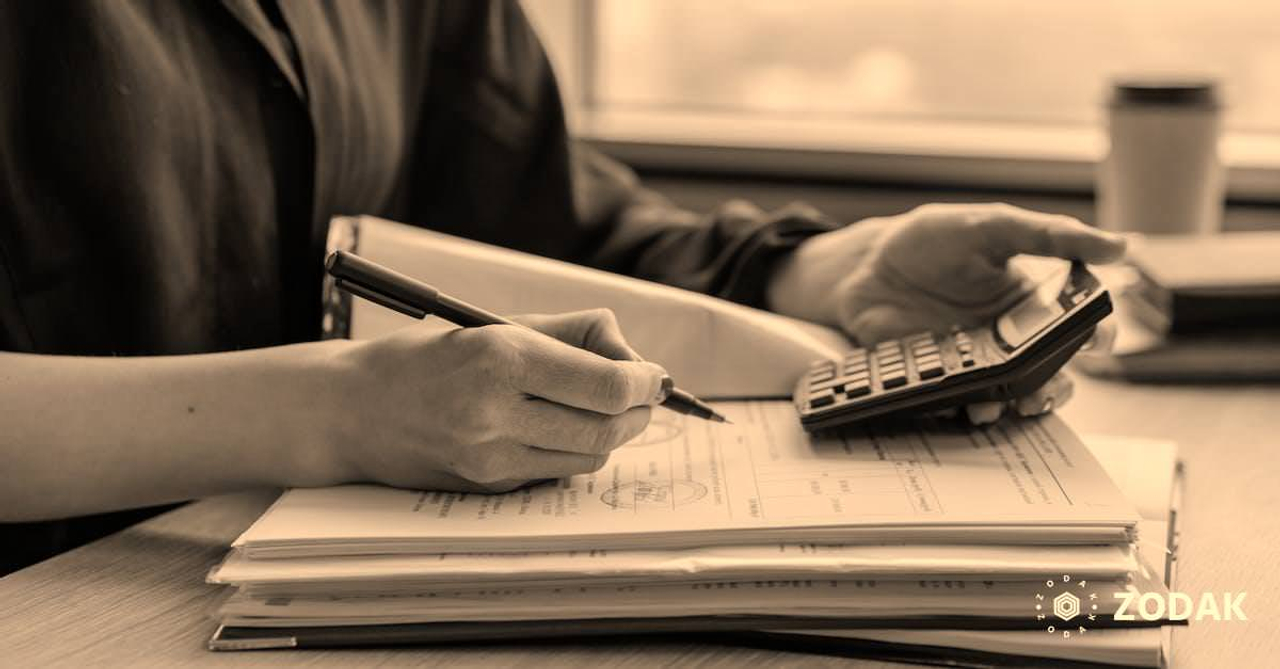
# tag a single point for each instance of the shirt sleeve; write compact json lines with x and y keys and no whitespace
{"x":728,"y":252}
{"x":496,"y":163}
{"x":14,"y":335}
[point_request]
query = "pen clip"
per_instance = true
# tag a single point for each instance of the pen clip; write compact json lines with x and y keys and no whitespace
{"x":378,"y":298}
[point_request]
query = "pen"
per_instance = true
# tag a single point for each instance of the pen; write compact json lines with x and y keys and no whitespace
{"x":416,"y":299}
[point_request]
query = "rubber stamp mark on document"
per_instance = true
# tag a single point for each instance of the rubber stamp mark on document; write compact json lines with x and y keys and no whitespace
{"x":649,"y":494}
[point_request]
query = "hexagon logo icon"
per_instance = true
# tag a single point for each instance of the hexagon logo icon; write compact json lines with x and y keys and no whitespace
{"x":1066,"y":606}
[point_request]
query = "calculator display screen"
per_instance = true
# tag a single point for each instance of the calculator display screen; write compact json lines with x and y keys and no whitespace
{"x":1034,"y":313}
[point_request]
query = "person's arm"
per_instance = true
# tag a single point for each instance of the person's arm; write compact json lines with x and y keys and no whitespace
{"x":729,"y":252}
{"x":483,"y":409}
{"x":86,"y":434}
{"x":495,"y":162}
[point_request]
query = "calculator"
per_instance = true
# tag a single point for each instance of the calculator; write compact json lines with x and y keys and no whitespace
{"x":1010,"y":357}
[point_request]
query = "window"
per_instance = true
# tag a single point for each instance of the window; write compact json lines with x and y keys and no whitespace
{"x":964,"y":86}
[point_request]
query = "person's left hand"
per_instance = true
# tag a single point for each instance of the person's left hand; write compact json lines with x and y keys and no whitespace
{"x":934,"y":267}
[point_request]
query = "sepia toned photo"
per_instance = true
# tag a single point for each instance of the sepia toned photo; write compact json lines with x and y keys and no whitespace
{"x":596,"y":333}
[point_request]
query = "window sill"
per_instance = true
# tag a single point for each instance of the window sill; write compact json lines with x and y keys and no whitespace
{"x":934,"y":153}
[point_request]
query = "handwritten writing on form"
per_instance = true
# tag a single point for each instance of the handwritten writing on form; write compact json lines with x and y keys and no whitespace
{"x":760,"y":477}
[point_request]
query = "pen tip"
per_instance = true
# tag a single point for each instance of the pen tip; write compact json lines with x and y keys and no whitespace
{"x":720,"y":419}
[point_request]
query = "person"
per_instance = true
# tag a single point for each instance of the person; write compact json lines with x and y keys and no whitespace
{"x":168,"y":172}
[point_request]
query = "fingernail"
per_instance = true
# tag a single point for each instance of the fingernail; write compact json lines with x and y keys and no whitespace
{"x":664,"y":390}
{"x":1047,"y":406}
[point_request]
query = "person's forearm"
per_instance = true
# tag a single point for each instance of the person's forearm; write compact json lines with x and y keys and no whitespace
{"x":83,"y":435}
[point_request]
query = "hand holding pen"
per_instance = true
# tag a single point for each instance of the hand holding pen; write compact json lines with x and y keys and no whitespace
{"x":483,"y":408}
{"x":414,"y":298}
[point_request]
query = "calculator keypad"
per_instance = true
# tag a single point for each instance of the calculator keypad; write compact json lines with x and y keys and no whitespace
{"x":888,"y":366}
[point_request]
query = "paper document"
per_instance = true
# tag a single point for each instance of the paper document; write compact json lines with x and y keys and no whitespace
{"x":713,"y":353}
{"x":687,"y":482}
{"x":1125,"y":647}
{"x":1146,"y":471}
{"x":814,"y":598}
{"x":395,"y":573}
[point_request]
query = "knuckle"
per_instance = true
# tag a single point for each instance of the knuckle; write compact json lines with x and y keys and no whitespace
{"x":614,"y":389}
{"x":495,"y":352}
{"x":604,"y":318}
{"x":618,"y":430}
{"x":485,"y":466}
{"x":608,"y":434}
{"x":490,"y":342}
{"x":479,"y":425}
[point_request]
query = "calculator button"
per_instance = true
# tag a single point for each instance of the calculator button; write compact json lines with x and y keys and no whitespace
{"x":825,"y":385}
{"x":857,"y":391}
{"x":818,"y":400}
{"x":966,"y":361}
{"x":930,"y":372}
{"x":892,"y":382}
{"x":822,"y":375}
{"x":860,"y":382}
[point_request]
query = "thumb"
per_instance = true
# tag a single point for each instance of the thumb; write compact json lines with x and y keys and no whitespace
{"x":595,"y":330}
{"x":1010,"y":231}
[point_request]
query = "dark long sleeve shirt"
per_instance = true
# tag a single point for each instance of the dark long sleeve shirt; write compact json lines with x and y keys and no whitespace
{"x":168,"y":169}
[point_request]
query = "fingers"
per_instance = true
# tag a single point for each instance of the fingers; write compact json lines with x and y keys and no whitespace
{"x":984,"y":413}
{"x":1103,"y":338}
{"x":556,"y":427}
{"x":1048,"y":397}
{"x":877,"y":323}
{"x":1012,"y":230}
{"x":543,"y":464}
{"x":501,"y":470}
{"x":595,"y":330}
{"x":550,"y":369}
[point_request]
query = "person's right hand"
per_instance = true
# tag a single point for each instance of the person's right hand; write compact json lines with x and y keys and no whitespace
{"x":493,"y":408}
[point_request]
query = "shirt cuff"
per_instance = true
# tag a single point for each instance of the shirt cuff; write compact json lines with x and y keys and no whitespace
{"x":782,"y":231}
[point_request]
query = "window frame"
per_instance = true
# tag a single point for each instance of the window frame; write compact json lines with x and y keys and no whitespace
{"x":967,"y":154}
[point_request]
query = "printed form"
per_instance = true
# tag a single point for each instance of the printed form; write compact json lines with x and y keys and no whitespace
{"x":760,"y":479}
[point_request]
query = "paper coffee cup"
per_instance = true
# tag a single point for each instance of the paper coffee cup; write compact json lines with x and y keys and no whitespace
{"x":1162,"y":174}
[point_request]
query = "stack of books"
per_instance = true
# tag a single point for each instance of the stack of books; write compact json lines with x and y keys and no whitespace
{"x":1195,"y":308}
{"x":918,"y":535}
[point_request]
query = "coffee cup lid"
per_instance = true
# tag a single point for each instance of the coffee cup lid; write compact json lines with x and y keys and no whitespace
{"x":1171,"y":92}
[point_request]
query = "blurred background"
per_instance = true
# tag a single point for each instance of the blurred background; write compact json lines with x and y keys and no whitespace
{"x":872,"y":107}
{"x":974,"y":99}
{"x":989,"y":60}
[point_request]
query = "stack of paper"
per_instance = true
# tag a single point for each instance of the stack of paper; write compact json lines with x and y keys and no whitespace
{"x":754,"y":525}
{"x":918,"y":540}
{"x":1148,"y":472}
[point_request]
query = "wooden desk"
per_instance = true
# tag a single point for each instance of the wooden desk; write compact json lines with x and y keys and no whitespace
{"x":138,"y":598}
